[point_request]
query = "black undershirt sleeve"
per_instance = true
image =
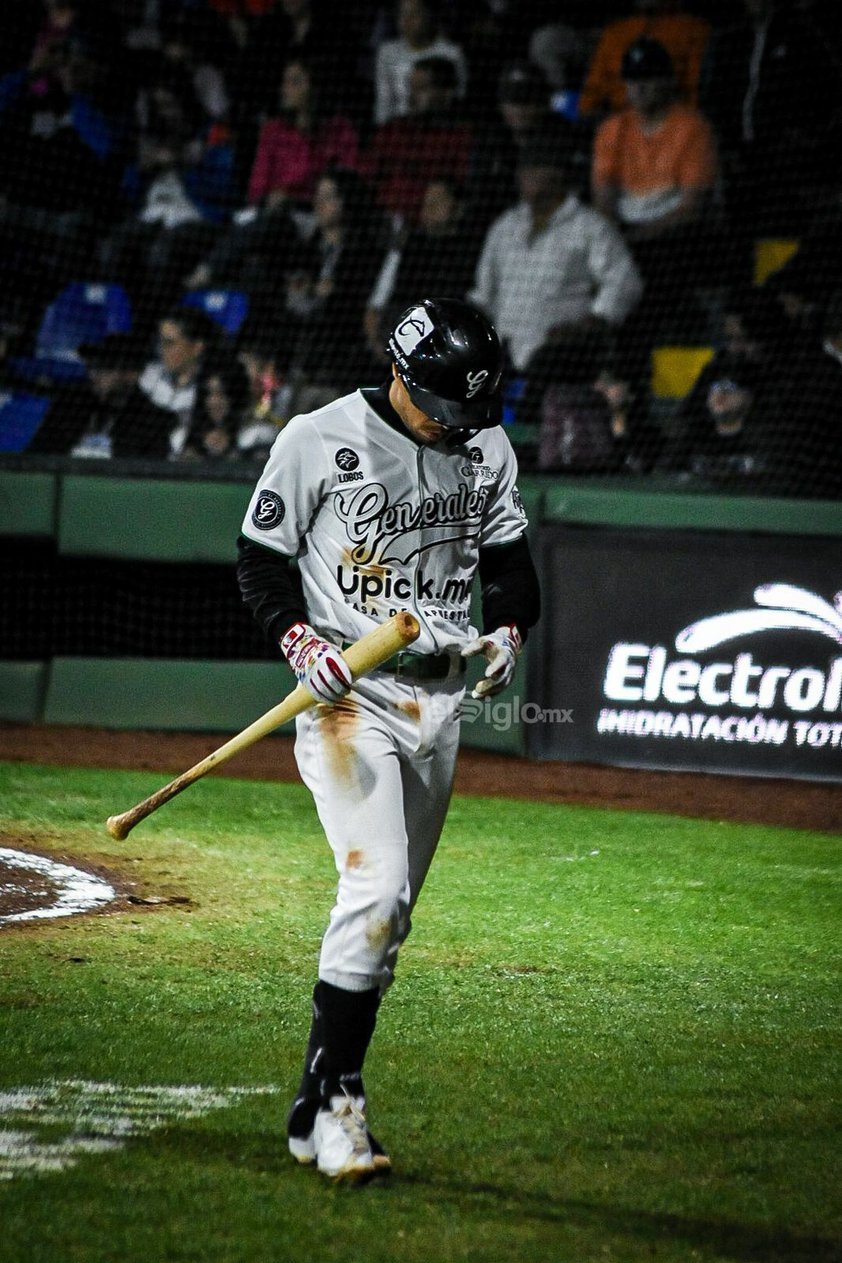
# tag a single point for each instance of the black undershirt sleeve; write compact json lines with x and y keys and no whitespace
{"x":270,"y":587}
{"x":509,"y":587}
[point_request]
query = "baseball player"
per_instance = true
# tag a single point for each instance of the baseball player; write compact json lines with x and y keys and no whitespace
{"x":389,"y":498}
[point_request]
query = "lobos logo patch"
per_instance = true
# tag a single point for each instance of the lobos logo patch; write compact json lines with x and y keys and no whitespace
{"x":269,"y":511}
{"x":346,"y":458}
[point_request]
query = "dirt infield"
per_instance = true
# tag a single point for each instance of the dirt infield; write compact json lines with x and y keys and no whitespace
{"x":797,"y":804}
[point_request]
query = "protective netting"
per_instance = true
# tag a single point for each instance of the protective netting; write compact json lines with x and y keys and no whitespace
{"x":224,"y":203}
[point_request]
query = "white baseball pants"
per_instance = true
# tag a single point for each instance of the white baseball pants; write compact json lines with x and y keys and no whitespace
{"x":380,"y":767}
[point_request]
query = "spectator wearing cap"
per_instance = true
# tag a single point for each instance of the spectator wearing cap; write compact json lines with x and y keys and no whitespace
{"x":551,"y":262}
{"x":111,"y":416}
{"x":525,"y":99}
{"x":654,"y":163}
{"x":684,"y":36}
{"x":419,"y":37}
{"x":523,"y":107}
{"x":654,"y":172}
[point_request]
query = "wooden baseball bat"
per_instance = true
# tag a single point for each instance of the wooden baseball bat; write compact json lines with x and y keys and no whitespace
{"x":367,"y":653}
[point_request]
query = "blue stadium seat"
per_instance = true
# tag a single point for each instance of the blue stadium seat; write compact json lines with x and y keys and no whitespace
{"x":84,"y":311}
{"x":20,"y":416}
{"x":513,"y":387}
{"x":228,"y":307}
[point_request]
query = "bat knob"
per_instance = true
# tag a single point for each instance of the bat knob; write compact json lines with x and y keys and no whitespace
{"x":116,"y":827}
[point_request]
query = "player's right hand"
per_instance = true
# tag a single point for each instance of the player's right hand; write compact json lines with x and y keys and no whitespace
{"x":318,"y":665}
{"x":502,"y":649}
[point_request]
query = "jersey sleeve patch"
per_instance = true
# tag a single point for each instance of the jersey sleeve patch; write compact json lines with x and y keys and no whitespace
{"x":269,"y":510}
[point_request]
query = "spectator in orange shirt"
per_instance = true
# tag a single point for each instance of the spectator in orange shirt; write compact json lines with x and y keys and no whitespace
{"x":654,"y":172}
{"x":685,"y":38}
{"x":654,"y":163}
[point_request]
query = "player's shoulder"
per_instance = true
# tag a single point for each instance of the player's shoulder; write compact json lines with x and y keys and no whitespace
{"x":495,"y":436}
{"x":343,"y":406}
{"x":331,"y":420}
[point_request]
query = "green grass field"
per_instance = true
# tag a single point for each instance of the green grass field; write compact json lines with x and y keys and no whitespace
{"x":613,"y":1036}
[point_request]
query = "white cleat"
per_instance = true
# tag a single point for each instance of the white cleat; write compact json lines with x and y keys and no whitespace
{"x":343,"y":1151}
{"x":303,"y":1149}
{"x":302,"y":1142}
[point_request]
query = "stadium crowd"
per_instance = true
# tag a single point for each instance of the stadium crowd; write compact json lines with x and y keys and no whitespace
{"x":249,"y":191}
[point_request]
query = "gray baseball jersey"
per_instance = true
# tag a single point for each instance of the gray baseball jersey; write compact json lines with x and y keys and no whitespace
{"x":380,"y":523}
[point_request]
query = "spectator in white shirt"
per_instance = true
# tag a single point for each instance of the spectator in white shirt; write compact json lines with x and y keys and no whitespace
{"x":184,"y":335}
{"x":550,"y":263}
{"x":418,"y":24}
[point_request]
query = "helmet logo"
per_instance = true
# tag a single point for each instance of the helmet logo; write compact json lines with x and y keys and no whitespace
{"x":476,"y":381}
{"x":413,"y":330}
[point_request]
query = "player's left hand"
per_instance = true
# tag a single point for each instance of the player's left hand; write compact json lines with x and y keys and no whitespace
{"x":502,"y":649}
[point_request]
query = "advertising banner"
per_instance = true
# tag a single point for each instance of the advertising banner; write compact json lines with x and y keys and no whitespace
{"x":693,"y":651}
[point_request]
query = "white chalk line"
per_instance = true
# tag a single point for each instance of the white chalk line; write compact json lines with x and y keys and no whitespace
{"x":78,"y":891}
{"x":101,"y":1118}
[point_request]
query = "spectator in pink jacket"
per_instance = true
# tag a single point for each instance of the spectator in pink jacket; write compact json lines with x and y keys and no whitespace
{"x":296,"y":147}
{"x":294,"y":151}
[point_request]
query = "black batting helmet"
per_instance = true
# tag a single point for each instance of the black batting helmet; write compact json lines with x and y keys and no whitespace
{"x":448,"y":356}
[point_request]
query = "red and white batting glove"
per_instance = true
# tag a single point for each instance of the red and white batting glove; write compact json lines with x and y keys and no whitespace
{"x":317,"y":664}
{"x":502,"y":649}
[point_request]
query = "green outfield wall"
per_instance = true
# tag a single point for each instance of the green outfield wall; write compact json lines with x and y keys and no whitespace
{"x":588,"y":537}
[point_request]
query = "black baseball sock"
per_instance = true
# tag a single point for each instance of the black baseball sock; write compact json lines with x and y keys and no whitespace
{"x":311,"y":1077}
{"x":350,"y":1021}
{"x":347,"y":1020}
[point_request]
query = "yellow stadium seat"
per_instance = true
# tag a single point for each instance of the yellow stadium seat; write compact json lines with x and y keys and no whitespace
{"x":770,"y":254}
{"x":675,"y":369}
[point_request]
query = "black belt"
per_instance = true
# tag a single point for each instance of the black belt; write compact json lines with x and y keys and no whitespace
{"x":424,"y":666}
{"x":421,"y":666}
